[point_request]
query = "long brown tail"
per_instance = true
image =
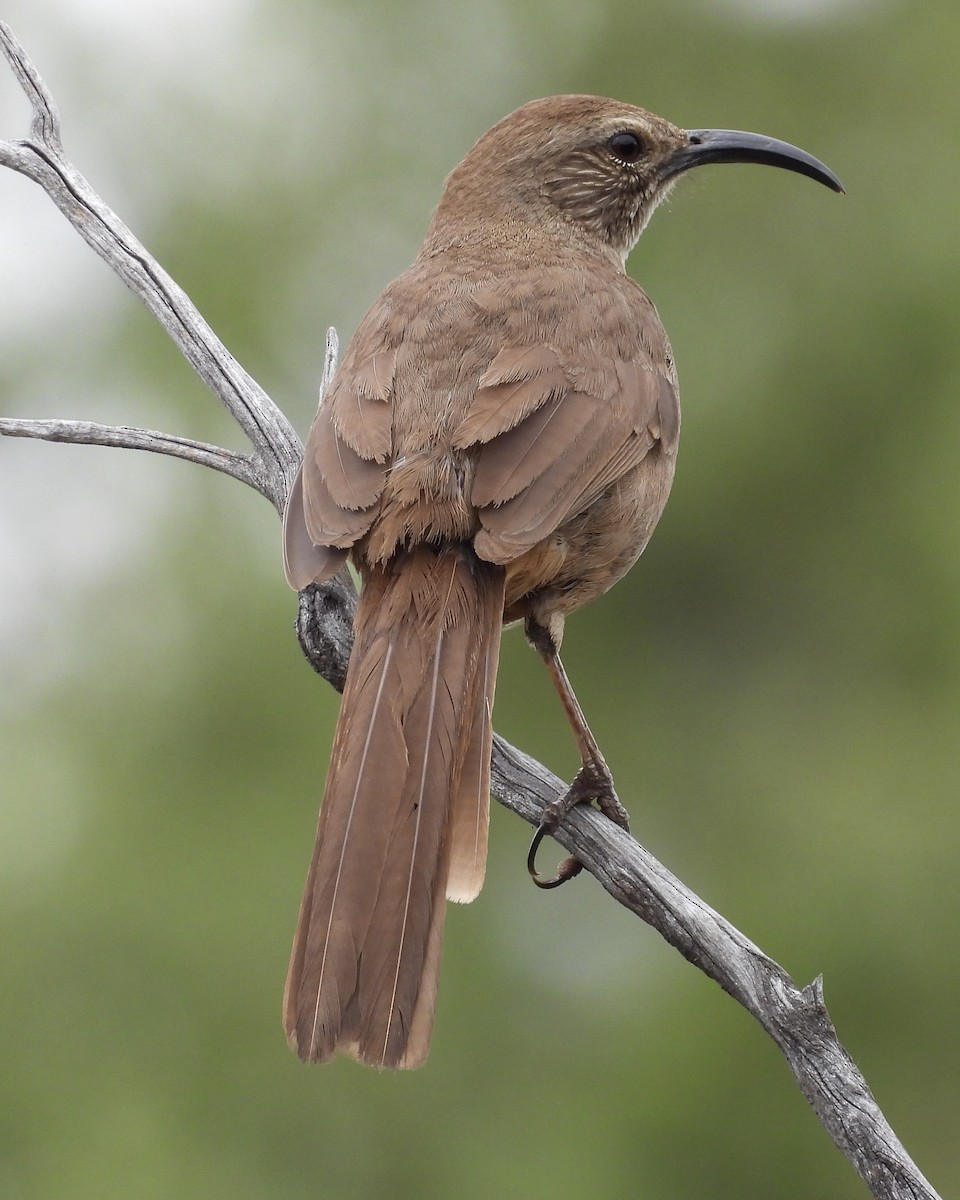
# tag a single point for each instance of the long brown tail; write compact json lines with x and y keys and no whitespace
{"x":404,"y":817}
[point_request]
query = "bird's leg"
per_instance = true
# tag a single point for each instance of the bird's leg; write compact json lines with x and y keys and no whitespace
{"x":592,"y":783}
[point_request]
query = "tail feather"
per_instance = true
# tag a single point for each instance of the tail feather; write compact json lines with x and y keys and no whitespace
{"x":470,"y":812}
{"x":406,"y":794}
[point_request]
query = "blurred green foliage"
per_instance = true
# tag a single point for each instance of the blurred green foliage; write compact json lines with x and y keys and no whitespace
{"x":777,"y":685}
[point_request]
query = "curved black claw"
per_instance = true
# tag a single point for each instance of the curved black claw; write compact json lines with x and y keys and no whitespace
{"x":593,"y":782}
{"x":567,"y":869}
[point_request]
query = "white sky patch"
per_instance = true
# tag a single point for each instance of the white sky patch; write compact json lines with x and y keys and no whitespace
{"x":798,"y":12}
{"x":46,"y":270}
{"x":161,"y":31}
{"x":72,"y":517}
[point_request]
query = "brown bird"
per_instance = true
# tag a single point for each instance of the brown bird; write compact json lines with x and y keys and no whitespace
{"x":497,"y":445}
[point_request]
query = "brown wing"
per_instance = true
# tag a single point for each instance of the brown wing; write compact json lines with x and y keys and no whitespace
{"x":336,"y":494}
{"x":552,"y":439}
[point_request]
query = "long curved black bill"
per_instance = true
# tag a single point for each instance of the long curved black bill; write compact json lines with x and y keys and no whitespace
{"x":733,"y":145}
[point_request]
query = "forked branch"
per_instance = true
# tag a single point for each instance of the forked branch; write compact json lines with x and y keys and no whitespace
{"x":795,"y":1018}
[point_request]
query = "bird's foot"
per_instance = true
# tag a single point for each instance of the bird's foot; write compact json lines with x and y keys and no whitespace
{"x":593,"y":783}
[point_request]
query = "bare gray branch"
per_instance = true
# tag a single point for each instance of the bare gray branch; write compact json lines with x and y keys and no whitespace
{"x":87,"y":433}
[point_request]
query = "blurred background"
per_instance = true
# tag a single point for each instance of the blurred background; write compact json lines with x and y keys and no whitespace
{"x":777,"y":684}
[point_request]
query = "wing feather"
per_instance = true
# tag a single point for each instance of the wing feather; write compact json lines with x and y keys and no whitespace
{"x":360,"y":406}
{"x":562,"y":454}
{"x":517,"y":382}
{"x":303,"y":562}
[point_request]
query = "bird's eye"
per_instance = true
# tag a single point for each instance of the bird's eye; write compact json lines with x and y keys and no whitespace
{"x":625,"y":146}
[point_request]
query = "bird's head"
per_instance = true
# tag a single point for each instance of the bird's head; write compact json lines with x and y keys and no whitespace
{"x":593,"y":167}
